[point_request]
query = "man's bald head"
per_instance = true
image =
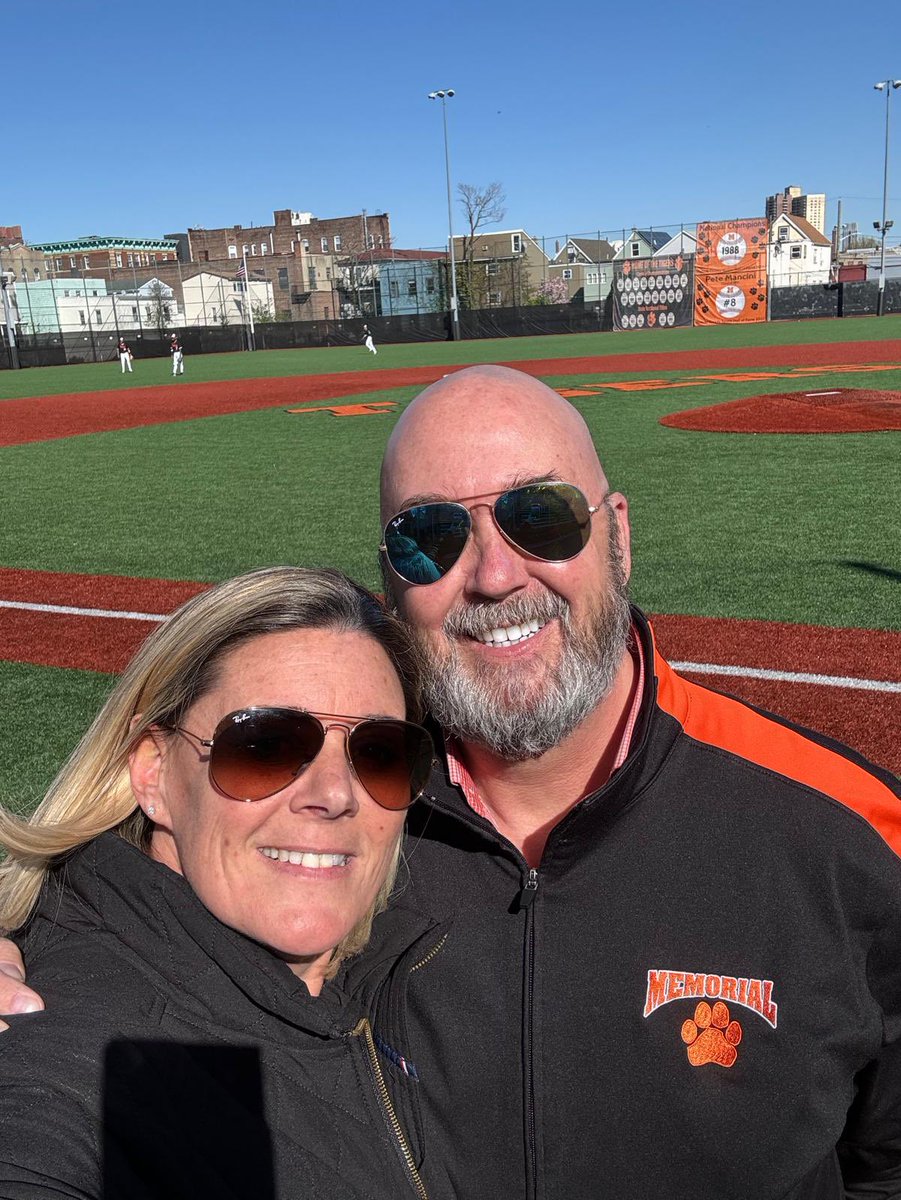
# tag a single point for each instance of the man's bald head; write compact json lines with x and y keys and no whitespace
{"x":477,"y":429}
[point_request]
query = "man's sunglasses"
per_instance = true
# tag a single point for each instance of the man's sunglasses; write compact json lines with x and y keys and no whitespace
{"x":256,"y":752}
{"x":550,"y":521}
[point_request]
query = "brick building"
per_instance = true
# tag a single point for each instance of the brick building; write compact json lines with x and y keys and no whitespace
{"x":94,"y":253}
{"x":292,"y":233}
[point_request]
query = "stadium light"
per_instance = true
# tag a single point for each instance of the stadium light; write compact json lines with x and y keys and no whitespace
{"x":887,"y":86}
{"x":443,"y":95}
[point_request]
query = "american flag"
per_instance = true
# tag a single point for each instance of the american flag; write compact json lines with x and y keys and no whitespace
{"x":241,"y":273}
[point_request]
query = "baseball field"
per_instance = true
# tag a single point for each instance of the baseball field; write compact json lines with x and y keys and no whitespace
{"x":770,"y":560}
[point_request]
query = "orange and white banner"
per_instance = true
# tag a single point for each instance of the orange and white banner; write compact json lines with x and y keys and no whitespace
{"x":730,"y":272}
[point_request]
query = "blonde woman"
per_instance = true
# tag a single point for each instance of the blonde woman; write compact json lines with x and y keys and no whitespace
{"x":190,"y":895}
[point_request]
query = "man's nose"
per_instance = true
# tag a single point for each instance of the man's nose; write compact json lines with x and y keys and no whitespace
{"x":494,"y":567}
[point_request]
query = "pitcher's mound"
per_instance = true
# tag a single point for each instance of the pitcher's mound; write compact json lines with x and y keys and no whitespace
{"x":836,"y":410}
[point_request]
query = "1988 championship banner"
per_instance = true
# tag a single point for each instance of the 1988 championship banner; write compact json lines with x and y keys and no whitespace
{"x":651,"y":293}
{"x":730,"y":272}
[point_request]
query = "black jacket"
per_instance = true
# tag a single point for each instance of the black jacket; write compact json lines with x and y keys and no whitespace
{"x":179,"y":1059}
{"x":567,"y":1035}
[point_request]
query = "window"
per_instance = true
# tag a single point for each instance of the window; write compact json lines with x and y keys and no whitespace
{"x":131,"y":260}
{"x":323,"y":242}
{"x":86,"y":262}
{"x":81,"y":314}
{"x":153,"y":259}
{"x":312,"y":278}
{"x":244,"y":249}
{"x":37,"y":273}
{"x":634,"y":249}
{"x":796,"y":251}
{"x":134,"y":312}
{"x":516,"y":243}
{"x":430,"y":286}
{"x":306,"y":244}
{"x":411,"y":287}
{"x":264,"y":247}
{"x":782,"y":235}
{"x":97,"y":317}
{"x":95,"y":292}
{"x":567,"y":272}
{"x":337,"y":242}
{"x":233,"y":252}
{"x":381,"y":241}
{"x":118,"y":258}
{"x":494,"y":298}
{"x":72,"y":261}
{"x":392,"y":288}
{"x":371,"y":241}
{"x":491,"y":268}
{"x":591,"y":277}
{"x":253,"y":249}
{"x":59,"y":264}
{"x":328,"y":272}
{"x":283,"y":278}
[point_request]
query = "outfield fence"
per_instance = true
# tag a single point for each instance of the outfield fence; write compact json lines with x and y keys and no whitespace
{"x":65,"y":347}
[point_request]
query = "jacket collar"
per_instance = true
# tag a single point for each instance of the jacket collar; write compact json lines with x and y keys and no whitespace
{"x":651,"y":742}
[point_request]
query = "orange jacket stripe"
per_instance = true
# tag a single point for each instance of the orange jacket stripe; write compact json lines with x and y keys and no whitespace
{"x":719,"y":720}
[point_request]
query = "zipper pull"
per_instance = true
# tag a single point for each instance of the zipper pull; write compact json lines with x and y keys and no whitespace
{"x":530,"y":887}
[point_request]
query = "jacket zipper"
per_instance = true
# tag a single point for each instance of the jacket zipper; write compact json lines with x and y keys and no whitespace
{"x":428,"y":958}
{"x":527,"y":899}
{"x":384,"y":1097}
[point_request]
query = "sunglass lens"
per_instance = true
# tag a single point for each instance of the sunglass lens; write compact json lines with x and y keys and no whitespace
{"x":256,"y":753}
{"x":549,"y":520}
{"x":424,"y":542}
{"x":392,"y":760}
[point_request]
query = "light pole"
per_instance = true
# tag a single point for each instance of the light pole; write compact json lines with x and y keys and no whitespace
{"x":887,"y":86}
{"x":444,"y":95}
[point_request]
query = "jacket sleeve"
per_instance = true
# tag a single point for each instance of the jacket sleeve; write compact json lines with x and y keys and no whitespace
{"x":47,"y":1144}
{"x":870,"y":1146}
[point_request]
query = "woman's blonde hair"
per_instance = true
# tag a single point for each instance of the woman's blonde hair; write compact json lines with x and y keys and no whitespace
{"x":177,"y":665}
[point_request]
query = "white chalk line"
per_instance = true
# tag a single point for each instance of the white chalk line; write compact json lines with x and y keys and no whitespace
{"x":841,"y":681}
{"x":67,"y":610}
{"x":738,"y":672}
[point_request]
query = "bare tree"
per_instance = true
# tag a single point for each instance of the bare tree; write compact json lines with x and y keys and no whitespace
{"x":481,"y":206}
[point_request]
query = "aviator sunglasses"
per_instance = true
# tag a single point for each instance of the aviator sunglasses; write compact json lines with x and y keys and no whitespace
{"x":550,"y":521}
{"x":256,"y":752}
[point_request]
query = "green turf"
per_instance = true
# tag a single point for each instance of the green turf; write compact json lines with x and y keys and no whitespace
{"x":46,"y":710}
{"x":788,"y":528}
{"x":746,"y":526}
{"x":154,"y":372}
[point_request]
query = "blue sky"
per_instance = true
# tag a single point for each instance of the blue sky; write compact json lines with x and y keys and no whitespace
{"x":133,"y":120}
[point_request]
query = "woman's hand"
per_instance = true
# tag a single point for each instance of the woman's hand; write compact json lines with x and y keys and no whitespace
{"x":15,"y":997}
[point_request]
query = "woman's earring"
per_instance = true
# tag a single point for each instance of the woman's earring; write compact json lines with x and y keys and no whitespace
{"x":151,"y":811}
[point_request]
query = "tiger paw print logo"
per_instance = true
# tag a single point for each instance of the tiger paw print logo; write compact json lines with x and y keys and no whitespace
{"x":711,"y":1037}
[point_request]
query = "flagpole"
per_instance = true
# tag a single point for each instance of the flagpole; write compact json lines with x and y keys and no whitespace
{"x":253,"y":344}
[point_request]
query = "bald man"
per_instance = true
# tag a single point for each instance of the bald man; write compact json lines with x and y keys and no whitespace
{"x":673,"y":966}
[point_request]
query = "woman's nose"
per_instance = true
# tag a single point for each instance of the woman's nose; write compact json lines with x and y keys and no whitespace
{"x":327,"y":784}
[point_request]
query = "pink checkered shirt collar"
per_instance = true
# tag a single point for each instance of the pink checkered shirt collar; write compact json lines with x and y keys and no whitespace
{"x":459,"y":773}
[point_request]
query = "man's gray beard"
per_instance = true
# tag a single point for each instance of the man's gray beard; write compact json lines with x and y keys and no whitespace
{"x":495,"y":707}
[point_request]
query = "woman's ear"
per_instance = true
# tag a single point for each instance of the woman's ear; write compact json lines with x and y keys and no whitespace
{"x":145,"y":764}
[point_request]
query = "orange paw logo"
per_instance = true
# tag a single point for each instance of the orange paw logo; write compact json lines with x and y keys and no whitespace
{"x":711,"y":1037}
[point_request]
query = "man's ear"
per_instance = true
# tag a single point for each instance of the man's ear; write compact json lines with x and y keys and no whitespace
{"x":145,"y":764}
{"x":620,"y":506}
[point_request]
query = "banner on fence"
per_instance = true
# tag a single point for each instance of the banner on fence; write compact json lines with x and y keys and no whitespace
{"x":730,"y":272}
{"x":651,"y":293}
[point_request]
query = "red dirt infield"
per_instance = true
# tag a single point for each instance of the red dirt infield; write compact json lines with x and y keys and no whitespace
{"x":44,"y":418}
{"x":835,"y":410}
{"x":865,"y":720}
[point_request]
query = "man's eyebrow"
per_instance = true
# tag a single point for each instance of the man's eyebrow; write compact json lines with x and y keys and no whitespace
{"x":513,"y":481}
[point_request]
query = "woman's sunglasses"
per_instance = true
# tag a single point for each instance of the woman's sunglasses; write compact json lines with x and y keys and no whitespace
{"x":256,"y":752}
{"x":550,"y":521}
